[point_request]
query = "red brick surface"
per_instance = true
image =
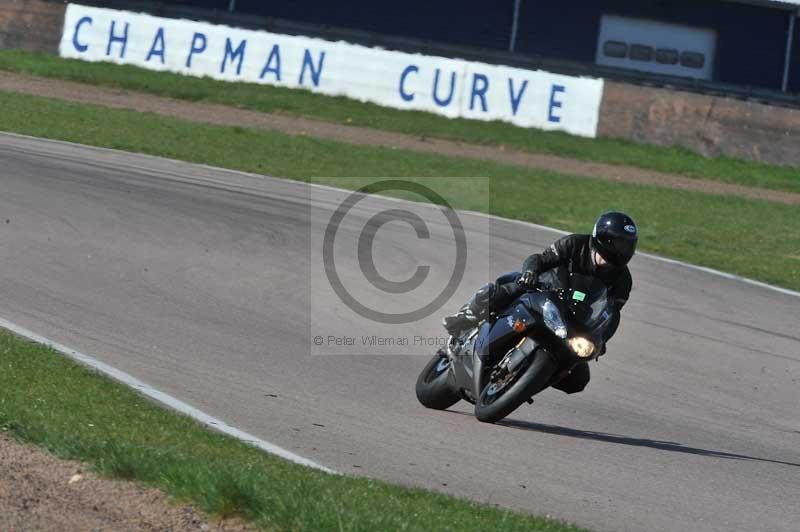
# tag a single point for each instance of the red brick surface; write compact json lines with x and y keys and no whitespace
{"x":709,"y":125}
{"x":31,"y":24}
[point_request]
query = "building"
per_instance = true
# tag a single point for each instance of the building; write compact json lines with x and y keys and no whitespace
{"x":746,"y":48}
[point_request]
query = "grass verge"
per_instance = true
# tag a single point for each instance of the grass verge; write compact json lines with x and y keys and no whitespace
{"x":747,"y":237}
{"x":48,"y":400}
{"x":271,"y":99}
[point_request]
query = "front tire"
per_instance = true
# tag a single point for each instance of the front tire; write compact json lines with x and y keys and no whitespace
{"x":493,"y":405}
{"x":434,"y":388}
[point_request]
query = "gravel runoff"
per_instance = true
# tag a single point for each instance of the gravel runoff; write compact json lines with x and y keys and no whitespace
{"x":40,"y":492}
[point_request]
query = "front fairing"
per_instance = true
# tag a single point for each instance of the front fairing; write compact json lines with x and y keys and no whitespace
{"x":501,"y":332}
{"x":582,"y":305}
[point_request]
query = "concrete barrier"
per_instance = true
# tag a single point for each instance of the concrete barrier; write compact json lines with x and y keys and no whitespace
{"x":710,"y":125}
{"x":441,"y":85}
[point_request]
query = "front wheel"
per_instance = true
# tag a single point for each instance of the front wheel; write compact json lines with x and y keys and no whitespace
{"x":434,"y":388}
{"x":505,"y":391}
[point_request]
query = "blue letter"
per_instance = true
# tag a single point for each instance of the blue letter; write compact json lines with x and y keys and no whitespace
{"x":229,"y":52}
{"x":479,"y":91}
{"x":197,"y":47}
{"x":78,"y":46}
{"x":407,"y":96}
{"x":445,"y":102}
{"x":274,"y":54}
{"x":158,"y":41}
{"x":315,"y":73}
{"x":553,"y":103}
{"x":516,"y":98}
{"x":117,"y":38}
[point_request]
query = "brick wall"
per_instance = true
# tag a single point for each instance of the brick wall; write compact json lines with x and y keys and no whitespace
{"x":31,"y":24}
{"x":710,"y":125}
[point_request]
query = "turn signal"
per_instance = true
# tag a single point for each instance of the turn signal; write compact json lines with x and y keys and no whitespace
{"x":519,"y":326}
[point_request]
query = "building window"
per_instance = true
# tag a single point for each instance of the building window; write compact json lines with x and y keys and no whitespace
{"x":693,"y":59}
{"x":615,"y":49}
{"x":657,"y":47}
{"x":667,"y":56}
{"x":664,"y":56}
{"x":640,"y":52}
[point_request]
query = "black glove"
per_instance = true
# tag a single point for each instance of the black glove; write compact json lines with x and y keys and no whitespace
{"x":528,"y":279}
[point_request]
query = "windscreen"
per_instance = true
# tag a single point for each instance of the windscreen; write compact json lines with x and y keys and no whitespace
{"x":585,"y":296}
{"x":587,"y":299}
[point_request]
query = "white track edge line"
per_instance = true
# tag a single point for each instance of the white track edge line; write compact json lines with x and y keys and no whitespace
{"x":164,"y":398}
{"x":711,"y":271}
{"x":650,"y":256}
{"x":223,"y":427}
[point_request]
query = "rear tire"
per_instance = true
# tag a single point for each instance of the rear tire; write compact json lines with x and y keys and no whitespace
{"x":434,"y":388}
{"x":534,"y":379}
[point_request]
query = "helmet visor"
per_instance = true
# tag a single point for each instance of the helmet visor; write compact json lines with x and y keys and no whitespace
{"x":622,"y":250}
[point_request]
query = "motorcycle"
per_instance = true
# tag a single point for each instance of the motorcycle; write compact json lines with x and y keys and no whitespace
{"x":519,"y":352}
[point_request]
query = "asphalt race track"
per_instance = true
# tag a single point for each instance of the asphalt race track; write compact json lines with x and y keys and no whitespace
{"x":207,"y":285}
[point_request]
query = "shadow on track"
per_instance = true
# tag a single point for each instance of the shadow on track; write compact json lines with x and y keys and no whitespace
{"x":627,"y":440}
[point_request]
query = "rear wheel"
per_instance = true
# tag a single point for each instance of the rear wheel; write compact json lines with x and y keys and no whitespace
{"x":506,"y":391}
{"x":434,"y":388}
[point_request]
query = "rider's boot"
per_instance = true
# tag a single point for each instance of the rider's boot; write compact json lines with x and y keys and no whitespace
{"x":472,"y":312}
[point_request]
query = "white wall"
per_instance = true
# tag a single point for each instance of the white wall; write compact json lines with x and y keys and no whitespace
{"x":393,"y":79}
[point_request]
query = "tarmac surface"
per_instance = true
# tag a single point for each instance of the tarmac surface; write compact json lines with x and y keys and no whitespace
{"x":213,"y":285}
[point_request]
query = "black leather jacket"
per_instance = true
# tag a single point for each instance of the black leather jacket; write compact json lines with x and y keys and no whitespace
{"x":574,"y":252}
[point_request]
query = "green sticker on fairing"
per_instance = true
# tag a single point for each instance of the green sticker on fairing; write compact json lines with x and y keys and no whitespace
{"x":578,"y":296}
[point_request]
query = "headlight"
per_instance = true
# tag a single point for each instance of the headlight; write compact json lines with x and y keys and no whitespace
{"x":581,"y":346}
{"x":552,"y":319}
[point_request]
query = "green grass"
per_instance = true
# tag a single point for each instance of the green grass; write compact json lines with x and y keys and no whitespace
{"x":753,"y":238}
{"x":342,"y":110}
{"x":47,"y":400}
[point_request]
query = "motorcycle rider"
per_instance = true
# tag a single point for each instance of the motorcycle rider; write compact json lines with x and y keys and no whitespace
{"x":603,"y":254}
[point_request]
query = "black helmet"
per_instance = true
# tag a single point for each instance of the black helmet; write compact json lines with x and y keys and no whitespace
{"x":614,"y":237}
